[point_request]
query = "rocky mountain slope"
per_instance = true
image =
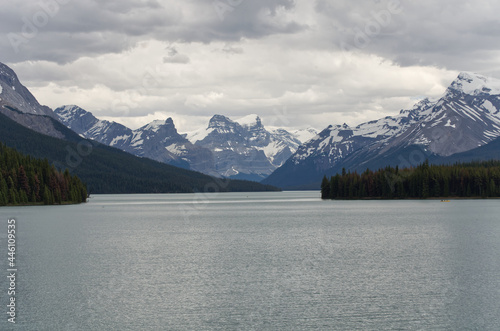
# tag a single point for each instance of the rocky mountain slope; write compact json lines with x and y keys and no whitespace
{"x":245,"y":148}
{"x":158,"y":140}
{"x":465,"y":117}
{"x":17,"y":103}
{"x":226,"y":148}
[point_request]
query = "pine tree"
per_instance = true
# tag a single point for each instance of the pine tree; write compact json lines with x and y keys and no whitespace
{"x":23,"y":197}
{"x":13,"y":197}
{"x":46,"y":196}
{"x":3,"y":187}
{"x":446,"y":189}
{"x":325,"y":189}
{"x":3,"y":199}
{"x":492,"y":188}
{"x":22,"y":180}
{"x":58,"y":196}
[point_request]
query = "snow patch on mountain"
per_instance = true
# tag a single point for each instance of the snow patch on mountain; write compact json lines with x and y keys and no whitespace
{"x":68,"y":112}
{"x":475,"y":84}
{"x":450,"y":125}
{"x":119,"y":138}
{"x":249,"y":120}
{"x":198,"y":135}
{"x":154,"y":126}
{"x":176,"y":149}
{"x":304,"y":135}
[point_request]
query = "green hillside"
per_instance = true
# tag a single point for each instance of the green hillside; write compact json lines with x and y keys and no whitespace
{"x":108,"y":170}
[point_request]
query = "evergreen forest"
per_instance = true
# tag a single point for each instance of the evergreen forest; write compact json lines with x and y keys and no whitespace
{"x":460,"y":180}
{"x":25,"y":180}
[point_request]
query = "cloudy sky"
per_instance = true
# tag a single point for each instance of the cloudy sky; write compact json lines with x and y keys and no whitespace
{"x":296,"y":63}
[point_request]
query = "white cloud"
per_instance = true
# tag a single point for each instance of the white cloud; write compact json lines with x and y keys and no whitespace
{"x":134,"y":60}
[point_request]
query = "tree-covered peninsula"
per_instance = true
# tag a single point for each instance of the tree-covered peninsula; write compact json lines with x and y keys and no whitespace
{"x":467,"y":180}
{"x":25,"y":180}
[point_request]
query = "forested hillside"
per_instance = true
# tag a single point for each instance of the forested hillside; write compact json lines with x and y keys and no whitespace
{"x":26,"y":180}
{"x":468,"y":180}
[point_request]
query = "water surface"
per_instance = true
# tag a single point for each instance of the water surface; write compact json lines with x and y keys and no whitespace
{"x":255,"y":261}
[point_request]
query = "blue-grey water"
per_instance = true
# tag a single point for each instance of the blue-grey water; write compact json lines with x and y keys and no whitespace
{"x":254,"y":261}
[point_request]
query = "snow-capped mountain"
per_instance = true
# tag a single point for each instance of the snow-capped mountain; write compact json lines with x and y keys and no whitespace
{"x":158,"y":140}
{"x":243,"y":149}
{"x":303,"y":135}
{"x":86,"y":124}
{"x":465,"y":117}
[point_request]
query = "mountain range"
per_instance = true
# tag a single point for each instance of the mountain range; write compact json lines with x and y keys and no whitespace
{"x":242,"y":149}
{"x":452,"y":127}
{"x":35,"y":130}
{"x":461,"y":125}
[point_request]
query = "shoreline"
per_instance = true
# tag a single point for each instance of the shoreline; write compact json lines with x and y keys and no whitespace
{"x":423,"y":199}
{"x":42,"y":204}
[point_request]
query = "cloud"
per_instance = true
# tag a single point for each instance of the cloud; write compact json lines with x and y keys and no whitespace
{"x":451,"y":34}
{"x":64,"y":30}
{"x":322,"y":62}
{"x":173,"y":56}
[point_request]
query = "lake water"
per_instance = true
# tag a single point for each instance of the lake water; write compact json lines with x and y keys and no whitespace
{"x":254,"y":261}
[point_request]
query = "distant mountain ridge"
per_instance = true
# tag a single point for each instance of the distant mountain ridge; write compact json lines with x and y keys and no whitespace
{"x":241,"y":149}
{"x":462,"y":125}
{"x":157,"y":140}
{"x":245,"y":148}
{"x":36,"y":130}
{"x":108,"y":170}
{"x":467,"y":116}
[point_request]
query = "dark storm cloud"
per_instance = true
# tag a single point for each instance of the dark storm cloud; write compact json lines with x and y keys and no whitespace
{"x":436,"y":33}
{"x":64,"y":30}
{"x":407,"y":32}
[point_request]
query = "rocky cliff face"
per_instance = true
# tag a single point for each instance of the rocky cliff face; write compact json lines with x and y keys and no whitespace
{"x":245,"y":148}
{"x":19,"y":104}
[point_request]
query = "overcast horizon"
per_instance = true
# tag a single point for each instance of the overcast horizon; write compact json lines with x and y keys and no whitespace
{"x":296,"y":64}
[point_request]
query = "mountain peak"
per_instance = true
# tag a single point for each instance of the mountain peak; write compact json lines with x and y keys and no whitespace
{"x":6,"y":73}
{"x":251,"y":120}
{"x":219,"y":121}
{"x":70,"y":110}
{"x":76,"y":118}
{"x":475,"y":84}
{"x":158,"y":124}
{"x":17,"y":95}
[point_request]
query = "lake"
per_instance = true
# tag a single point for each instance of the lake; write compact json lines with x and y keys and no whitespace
{"x":254,"y":261}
